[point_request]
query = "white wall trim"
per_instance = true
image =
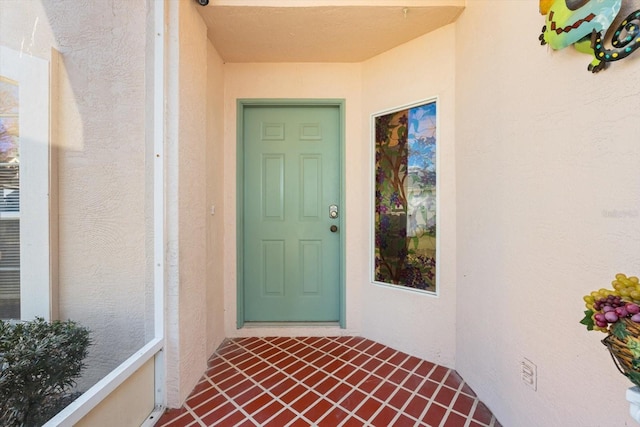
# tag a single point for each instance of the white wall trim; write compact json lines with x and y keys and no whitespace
{"x":158,"y":196}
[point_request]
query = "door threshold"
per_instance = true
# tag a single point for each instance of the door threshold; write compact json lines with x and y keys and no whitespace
{"x":290,"y":324}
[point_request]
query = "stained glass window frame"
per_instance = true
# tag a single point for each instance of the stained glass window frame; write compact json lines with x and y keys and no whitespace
{"x":409,"y":212}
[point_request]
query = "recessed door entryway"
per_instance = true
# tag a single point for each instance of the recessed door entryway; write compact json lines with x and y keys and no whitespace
{"x":290,"y":211}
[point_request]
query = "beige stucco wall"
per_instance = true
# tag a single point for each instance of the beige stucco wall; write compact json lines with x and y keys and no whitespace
{"x":414,"y":322}
{"x":187,"y":213}
{"x":128,"y":405}
{"x":215,"y":199}
{"x":299,"y":81}
{"x":101,"y":175}
{"x":101,"y":130}
{"x":548,"y":199}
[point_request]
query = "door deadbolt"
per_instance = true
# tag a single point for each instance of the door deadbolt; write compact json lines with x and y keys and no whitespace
{"x":333,"y":211}
{"x":333,"y":228}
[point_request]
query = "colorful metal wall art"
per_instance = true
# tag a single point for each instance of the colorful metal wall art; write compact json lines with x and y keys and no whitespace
{"x":587,"y":25}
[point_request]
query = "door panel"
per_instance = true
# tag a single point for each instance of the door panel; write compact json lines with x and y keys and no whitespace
{"x":291,"y":257}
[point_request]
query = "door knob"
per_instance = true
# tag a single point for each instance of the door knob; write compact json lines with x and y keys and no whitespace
{"x":333,"y":228}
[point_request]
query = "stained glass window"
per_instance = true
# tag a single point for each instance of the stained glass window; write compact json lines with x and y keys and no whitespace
{"x":405,"y":198}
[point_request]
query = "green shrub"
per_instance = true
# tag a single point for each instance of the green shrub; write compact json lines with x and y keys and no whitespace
{"x":39,"y":363}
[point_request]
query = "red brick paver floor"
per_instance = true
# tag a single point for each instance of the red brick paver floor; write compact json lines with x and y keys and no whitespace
{"x":326,"y":381}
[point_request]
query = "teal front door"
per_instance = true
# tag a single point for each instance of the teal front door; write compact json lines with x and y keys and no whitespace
{"x":291,"y":213}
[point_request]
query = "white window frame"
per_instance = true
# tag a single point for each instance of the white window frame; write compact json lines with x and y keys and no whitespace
{"x":38,"y":213}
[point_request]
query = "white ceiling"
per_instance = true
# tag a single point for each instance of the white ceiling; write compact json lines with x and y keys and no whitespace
{"x":320,"y":30}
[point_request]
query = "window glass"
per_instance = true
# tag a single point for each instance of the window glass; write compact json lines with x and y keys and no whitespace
{"x":405,"y":198}
{"x":9,"y":200}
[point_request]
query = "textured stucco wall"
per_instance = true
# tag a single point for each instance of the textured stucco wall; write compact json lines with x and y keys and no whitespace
{"x":215,"y":199}
{"x":102,"y":190}
{"x":300,"y":81}
{"x":192,"y":194}
{"x":101,"y":129}
{"x":548,"y":201}
{"x":417,"y":323}
{"x":24,"y":26}
{"x":186,"y":184}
